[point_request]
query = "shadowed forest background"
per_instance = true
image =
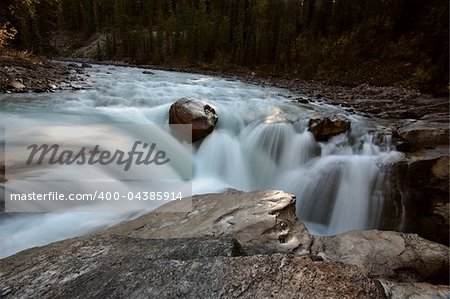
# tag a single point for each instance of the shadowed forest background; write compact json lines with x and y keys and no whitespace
{"x":397,"y":42}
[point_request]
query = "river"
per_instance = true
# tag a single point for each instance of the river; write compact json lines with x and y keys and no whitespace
{"x":260,"y":142}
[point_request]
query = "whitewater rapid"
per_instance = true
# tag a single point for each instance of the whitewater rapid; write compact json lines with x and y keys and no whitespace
{"x":261,"y":142}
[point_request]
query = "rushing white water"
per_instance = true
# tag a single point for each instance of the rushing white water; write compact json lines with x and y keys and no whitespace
{"x":261,"y":141}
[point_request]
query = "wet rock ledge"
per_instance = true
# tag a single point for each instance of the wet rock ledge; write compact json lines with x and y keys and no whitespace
{"x":230,"y":245}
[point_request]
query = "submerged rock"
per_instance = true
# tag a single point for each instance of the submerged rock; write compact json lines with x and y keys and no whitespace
{"x":324,"y":128}
{"x":147,"y":72}
{"x":195,"y":112}
{"x":301,"y":100}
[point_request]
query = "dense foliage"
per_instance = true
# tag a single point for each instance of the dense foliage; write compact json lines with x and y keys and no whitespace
{"x":346,"y":41}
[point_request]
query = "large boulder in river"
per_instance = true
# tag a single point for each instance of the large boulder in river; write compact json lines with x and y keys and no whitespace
{"x":195,"y":112}
{"x":325,"y":127}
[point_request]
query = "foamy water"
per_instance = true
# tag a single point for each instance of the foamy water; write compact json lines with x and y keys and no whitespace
{"x":260,"y":142}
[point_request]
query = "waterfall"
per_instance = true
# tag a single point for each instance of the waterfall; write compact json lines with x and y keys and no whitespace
{"x":261,"y":142}
{"x":338,"y":183}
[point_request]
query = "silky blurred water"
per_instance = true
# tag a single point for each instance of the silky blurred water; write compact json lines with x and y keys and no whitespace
{"x":260,"y":142}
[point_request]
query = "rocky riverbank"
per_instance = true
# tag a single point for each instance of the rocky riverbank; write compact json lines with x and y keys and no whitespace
{"x":374,"y":101}
{"x":235,"y":244}
{"x":25,"y":73}
{"x":385,"y":102}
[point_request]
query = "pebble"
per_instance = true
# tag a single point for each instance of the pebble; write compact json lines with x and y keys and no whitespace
{"x":16,"y":85}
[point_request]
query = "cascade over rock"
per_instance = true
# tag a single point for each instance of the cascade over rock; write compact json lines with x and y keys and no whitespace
{"x":325,"y":127}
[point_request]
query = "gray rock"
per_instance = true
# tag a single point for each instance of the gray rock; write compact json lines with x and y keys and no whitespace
{"x":418,"y":196}
{"x":425,"y":169}
{"x":4,"y":291}
{"x":195,"y":112}
{"x":86,"y":65}
{"x":423,"y":134}
{"x":383,"y":139}
{"x":326,"y":127}
{"x":2,"y":172}
{"x":147,"y":72}
{"x":396,"y":290}
{"x":404,"y":257}
{"x":265,"y":222}
{"x":301,"y":100}
{"x":120,"y":267}
{"x":228,"y":249}
{"x":52,"y":86}
{"x":262,"y":221}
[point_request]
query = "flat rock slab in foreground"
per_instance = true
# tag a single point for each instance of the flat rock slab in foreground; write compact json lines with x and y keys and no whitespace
{"x":386,"y":254}
{"x":265,"y":222}
{"x":234,"y":244}
{"x":261,"y":221}
{"x":396,"y":290}
{"x":121,"y":267}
